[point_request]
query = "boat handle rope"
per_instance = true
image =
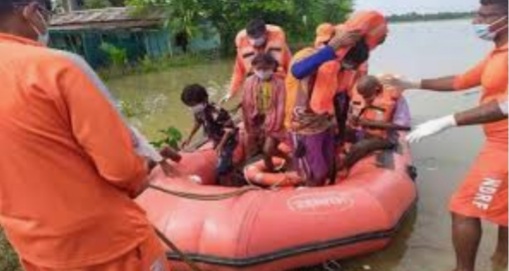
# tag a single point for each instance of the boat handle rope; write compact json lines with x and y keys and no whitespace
{"x":175,"y":249}
{"x":205,"y":197}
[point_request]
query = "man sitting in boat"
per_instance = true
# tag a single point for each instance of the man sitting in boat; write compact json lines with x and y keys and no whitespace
{"x":218,"y":127}
{"x":263,"y":106}
{"x":375,"y":115}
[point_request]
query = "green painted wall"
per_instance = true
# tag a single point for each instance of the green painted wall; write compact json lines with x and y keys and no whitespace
{"x":137,"y":42}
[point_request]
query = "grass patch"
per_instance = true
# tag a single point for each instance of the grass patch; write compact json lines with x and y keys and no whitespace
{"x":8,"y":258}
{"x":148,"y":64}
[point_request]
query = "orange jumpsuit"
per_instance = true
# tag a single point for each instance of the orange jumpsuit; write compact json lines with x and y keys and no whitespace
{"x":68,"y":167}
{"x":483,"y":194}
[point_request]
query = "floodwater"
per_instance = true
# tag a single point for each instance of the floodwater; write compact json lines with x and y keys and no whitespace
{"x":414,"y":49}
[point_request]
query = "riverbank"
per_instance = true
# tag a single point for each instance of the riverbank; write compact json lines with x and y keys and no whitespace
{"x":148,"y":65}
{"x":418,"y":17}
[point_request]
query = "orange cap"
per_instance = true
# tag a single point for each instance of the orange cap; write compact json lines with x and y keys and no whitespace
{"x":324,"y":33}
{"x":372,"y":25}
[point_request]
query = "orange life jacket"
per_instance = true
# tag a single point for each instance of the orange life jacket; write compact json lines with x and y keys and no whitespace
{"x":382,"y":109}
{"x":299,"y":115}
{"x":328,"y":81}
{"x":276,"y":44}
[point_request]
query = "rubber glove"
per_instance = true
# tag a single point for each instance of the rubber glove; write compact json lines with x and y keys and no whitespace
{"x":225,"y":99}
{"x":431,"y":127}
{"x":504,"y":107}
{"x":144,"y":148}
{"x":398,"y":81}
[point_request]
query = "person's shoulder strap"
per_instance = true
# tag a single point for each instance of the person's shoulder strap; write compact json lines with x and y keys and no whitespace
{"x":277,"y":31}
{"x":240,"y":37}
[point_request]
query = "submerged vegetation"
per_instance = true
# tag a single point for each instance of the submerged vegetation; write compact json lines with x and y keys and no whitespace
{"x":172,"y":138}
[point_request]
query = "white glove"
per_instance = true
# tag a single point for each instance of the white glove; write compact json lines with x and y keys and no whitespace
{"x":504,"y":107}
{"x":144,"y":148}
{"x":398,"y":81}
{"x":431,"y":127}
{"x":225,"y":99}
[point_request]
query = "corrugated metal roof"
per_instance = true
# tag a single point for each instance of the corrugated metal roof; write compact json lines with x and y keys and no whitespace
{"x":121,"y":17}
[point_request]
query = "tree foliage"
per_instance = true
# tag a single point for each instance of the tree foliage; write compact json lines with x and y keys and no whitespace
{"x":88,"y":4}
{"x":298,"y":17}
{"x":93,"y":4}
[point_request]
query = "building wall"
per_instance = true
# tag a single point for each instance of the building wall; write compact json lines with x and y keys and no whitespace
{"x":206,"y":39}
{"x":137,"y":42}
{"x":87,"y":43}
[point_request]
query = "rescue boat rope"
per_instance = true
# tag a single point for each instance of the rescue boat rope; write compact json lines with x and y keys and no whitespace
{"x":175,"y":249}
{"x":206,"y":197}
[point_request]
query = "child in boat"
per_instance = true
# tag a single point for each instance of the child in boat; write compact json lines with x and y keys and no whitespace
{"x":376,"y":112}
{"x":263,"y":108}
{"x":218,"y":127}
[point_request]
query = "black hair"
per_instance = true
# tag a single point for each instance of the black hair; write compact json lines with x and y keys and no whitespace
{"x":194,"y":94}
{"x":256,"y":28}
{"x":502,"y":3}
{"x":367,"y":83}
{"x":265,"y":58}
{"x":358,"y":54}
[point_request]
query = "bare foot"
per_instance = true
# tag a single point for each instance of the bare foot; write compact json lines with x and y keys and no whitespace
{"x":169,"y":170}
{"x":499,"y":260}
{"x":343,"y":174}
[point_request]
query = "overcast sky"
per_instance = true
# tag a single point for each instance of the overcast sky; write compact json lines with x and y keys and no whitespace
{"x":421,"y":6}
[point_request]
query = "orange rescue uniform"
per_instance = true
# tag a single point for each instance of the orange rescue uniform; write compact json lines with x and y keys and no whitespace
{"x":246,"y":52}
{"x":68,"y":167}
{"x":484,"y":192}
{"x":330,"y":80}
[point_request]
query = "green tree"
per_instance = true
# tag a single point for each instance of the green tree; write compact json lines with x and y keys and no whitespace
{"x":117,"y":3}
{"x":93,"y":4}
{"x":297,"y":17}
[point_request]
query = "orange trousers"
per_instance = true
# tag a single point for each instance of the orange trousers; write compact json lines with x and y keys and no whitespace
{"x":148,"y":256}
{"x":483,"y":194}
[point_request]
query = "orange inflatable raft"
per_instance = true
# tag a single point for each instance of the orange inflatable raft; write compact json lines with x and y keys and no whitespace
{"x":283,"y":228}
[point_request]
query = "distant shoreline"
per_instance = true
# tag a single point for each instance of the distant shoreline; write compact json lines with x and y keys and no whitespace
{"x":417,"y":17}
{"x":429,"y":21}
